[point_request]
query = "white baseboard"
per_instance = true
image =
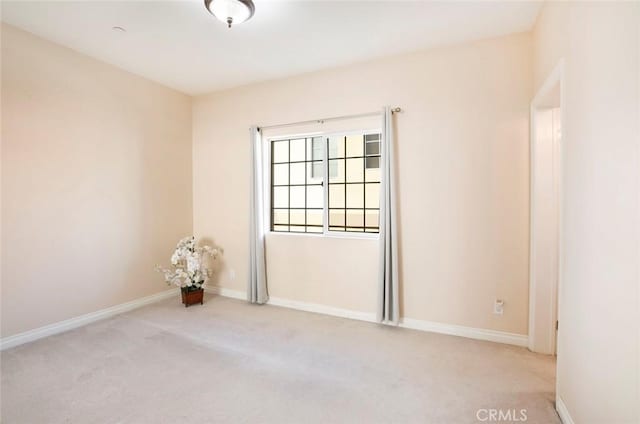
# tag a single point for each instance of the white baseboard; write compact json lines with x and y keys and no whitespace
{"x":468,"y":332}
{"x":298,"y":305}
{"x":234,"y":294}
{"x":563,"y":412}
{"x":414,"y":324}
{"x":69,"y":324}
{"x":322,"y":309}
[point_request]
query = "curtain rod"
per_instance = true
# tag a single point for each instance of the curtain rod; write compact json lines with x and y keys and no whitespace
{"x":323,"y":120}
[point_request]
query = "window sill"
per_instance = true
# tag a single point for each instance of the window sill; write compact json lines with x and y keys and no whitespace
{"x":329,"y":235}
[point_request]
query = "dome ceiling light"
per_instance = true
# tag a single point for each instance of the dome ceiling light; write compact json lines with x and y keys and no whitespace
{"x":232,"y":12}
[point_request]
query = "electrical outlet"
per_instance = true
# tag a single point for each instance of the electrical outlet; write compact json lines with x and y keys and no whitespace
{"x":498,"y":307}
{"x":232,"y":274}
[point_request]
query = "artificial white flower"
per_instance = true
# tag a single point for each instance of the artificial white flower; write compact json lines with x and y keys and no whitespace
{"x":188,"y":264}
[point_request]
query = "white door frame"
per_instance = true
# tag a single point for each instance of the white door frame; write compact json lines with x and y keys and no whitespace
{"x":555,"y":77}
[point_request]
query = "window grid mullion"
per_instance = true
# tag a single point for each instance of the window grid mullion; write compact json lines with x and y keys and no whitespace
{"x":337,"y":157}
{"x":325,"y":168}
{"x":364,"y":183}
{"x":345,"y":180}
{"x":289,"y":180}
{"x":272,"y":190}
{"x":297,"y":185}
{"x":305,"y":185}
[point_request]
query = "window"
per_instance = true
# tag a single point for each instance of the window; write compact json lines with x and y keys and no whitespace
{"x":297,"y":190}
{"x":300,"y":200}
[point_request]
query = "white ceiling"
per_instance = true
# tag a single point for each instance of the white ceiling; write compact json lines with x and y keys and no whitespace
{"x":179,"y":44}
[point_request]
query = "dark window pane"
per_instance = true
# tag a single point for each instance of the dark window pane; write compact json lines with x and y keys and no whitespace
{"x":373,"y":148}
{"x":372,"y":137}
{"x":373,"y":162}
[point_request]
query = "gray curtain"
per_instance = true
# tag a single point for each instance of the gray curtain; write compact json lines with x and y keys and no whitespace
{"x":257,"y":289}
{"x":388,"y":301}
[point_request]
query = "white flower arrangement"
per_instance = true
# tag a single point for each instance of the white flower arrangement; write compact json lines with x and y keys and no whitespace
{"x":188,"y":265}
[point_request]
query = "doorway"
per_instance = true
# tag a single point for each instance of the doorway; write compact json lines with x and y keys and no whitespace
{"x":545,"y":213}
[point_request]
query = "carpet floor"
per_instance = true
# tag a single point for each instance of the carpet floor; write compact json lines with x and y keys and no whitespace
{"x":231,"y":362}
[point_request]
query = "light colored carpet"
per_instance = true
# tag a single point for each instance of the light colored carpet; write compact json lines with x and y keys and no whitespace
{"x":231,"y":362}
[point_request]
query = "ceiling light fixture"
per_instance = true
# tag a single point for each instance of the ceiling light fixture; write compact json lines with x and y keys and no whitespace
{"x":231,"y":11}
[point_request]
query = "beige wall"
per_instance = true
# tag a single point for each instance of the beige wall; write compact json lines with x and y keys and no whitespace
{"x":96,"y":182}
{"x":463,"y":182}
{"x":598,"y":345}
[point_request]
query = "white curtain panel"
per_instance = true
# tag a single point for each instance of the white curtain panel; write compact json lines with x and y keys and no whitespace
{"x":257,"y":289}
{"x":388,"y":297}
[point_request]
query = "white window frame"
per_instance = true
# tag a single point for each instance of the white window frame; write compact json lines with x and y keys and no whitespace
{"x":267,"y":185}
